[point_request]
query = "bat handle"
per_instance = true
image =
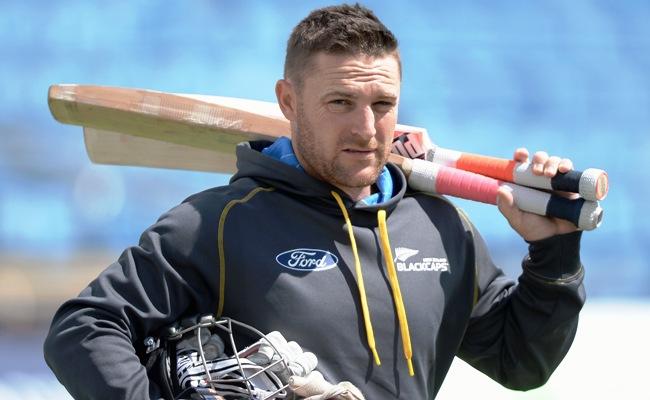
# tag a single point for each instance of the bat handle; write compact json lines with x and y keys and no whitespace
{"x":591,"y":184}
{"x":434,"y":178}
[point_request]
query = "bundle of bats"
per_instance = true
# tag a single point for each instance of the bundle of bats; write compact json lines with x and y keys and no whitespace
{"x":125,"y":126}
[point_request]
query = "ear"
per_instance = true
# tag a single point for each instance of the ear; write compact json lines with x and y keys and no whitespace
{"x":287,"y":100}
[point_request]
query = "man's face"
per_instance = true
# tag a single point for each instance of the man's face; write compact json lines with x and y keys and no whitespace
{"x":346,"y":112}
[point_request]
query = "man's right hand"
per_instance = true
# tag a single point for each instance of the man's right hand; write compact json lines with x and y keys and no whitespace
{"x":315,"y":387}
{"x":304,"y":381}
{"x":530,"y":226}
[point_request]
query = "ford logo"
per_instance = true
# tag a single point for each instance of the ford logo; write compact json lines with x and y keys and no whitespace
{"x":307,"y":259}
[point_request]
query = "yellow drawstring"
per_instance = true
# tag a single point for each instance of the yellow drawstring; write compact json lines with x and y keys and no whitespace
{"x":362,"y":290}
{"x":394,"y":284}
{"x":397,"y":293}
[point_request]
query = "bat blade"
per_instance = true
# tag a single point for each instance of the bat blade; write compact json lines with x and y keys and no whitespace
{"x":115,"y":148}
{"x":139,"y":127}
{"x":204,"y":122}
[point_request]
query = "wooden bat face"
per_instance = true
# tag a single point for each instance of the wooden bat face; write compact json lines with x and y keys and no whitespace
{"x":166,"y":130}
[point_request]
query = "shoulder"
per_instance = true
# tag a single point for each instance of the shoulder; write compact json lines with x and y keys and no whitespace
{"x":198,"y":216}
{"x":212,"y":203}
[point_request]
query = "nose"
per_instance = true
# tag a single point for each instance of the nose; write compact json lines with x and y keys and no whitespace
{"x":364,"y":122}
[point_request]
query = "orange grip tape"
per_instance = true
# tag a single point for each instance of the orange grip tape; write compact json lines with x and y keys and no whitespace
{"x":498,"y":168}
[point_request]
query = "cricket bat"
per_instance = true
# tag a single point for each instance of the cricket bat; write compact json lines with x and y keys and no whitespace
{"x":148,"y":128}
{"x":178,"y":131}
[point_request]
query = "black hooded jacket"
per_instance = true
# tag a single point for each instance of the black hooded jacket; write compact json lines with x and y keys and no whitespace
{"x":274,"y":249}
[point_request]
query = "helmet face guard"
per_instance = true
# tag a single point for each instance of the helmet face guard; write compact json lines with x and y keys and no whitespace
{"x":199,"y":359}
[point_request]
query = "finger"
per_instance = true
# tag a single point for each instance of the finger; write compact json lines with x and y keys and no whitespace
{"x":566,"y":165}
{"x":521,"y":154}
{"x":288,"y":351}
{"x":303,"y":364}
{"x":293,"y":350}
{"x":551,"y":165}
{"x":504,"y":197}
{"x":506,"y":204}
{"x":353,"y":393}
{"x":276,"y":339}
{"x":312,"y":384}
{"x":539,"y":161}
{"x":268,"y":346}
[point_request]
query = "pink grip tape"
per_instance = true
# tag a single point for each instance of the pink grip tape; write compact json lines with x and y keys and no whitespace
{"x":458,"y":183}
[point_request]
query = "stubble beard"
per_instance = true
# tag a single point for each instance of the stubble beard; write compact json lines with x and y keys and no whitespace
{"x":332,"y":171}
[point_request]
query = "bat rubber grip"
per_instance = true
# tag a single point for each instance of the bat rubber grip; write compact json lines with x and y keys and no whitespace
{"x":423,"y":176}
{"x":430,"y":177}
{"x":592,"y":183}
{"x":498,"y":168}
{"x":585,"y":214}
{"x":434,"y":178}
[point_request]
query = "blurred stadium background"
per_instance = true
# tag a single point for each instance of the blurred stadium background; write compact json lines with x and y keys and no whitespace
{"x":570,"y":77}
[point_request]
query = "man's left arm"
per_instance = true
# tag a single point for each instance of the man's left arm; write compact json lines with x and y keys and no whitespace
{"x":519,"y":334}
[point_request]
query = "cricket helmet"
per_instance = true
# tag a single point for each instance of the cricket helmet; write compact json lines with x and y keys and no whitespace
{"x":199,"y":358}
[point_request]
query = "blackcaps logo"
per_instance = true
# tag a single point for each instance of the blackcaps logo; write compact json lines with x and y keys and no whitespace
{"x":403,"y":254}
{"x":307,"y":259}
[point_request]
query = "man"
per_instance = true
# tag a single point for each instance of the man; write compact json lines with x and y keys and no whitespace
{"x":306,"y":238}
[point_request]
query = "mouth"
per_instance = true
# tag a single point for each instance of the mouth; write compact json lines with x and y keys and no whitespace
{"x":360,"y":153}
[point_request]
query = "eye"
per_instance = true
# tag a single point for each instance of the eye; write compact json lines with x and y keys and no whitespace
{"x":384,"y":105}
{"x":339,"y":104}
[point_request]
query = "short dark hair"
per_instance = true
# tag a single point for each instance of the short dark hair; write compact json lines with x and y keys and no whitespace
{"x":342,"y":29}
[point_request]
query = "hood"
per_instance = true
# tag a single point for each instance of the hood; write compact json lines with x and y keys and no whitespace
{"x":251,"y":163}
